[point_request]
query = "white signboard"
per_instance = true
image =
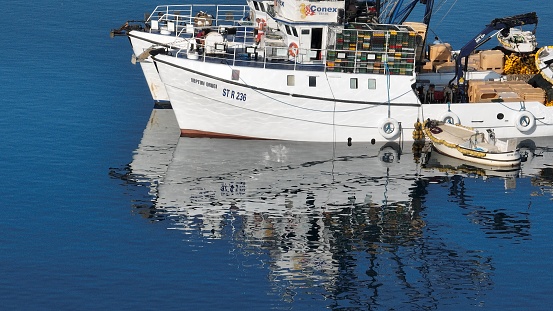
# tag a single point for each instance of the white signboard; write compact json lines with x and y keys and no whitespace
{"x":309,"y":11}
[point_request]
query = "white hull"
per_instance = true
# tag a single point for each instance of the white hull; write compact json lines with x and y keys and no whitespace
{"x":261,"y":108}
{"x":507,"y":159}
{"x":267,"y":108}
{"x":140,"y":42}
{"x":446,"y":163}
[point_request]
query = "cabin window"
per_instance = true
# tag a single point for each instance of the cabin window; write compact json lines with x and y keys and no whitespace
{"x":312,"y":81}
{"x":372,"y":84}
{"x":287,"y":29}
{"x":353,"y":83}
{"x":295,"y":31}
{"x":291,"y":80}
{"x":255,"y":5}
{"x":262,"y":7}
{"x":305,"y":31}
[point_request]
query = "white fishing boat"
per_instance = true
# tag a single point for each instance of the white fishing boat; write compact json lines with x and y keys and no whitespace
{"x":334,"y":81}
{"x":177,"y":26}
{"x":518,"y":40}
{"x":328,"y":72}
{"x":471,"y":145}
{"x":544,"y":62}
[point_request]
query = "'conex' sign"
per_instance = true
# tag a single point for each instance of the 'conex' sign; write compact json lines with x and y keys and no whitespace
{"x":301,"y":11}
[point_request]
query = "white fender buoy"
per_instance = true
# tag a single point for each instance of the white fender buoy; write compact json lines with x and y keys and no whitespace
{"x":525,"y":121}
{"x":389,"y":128}
{"x":451,"y":118}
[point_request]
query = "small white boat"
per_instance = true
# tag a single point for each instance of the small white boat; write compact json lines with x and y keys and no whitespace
{"x":517,"y":40}
{"x":470,"y":145}
{"x":544,"y":62}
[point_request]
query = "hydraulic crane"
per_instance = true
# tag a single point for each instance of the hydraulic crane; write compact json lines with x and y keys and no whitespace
{"x":501,"y":24}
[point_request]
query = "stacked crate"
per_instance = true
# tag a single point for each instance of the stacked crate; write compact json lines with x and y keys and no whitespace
{"x":420,"y":30}
{"x":492,"y":60}
{"x":361,"y":49}
{"x":439,"y":54}
{"x":487,"y":91}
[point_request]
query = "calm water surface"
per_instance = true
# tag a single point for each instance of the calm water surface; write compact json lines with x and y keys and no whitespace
{"x":106,"y":207}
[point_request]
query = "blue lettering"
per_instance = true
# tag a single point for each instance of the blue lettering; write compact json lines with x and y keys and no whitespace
{"x":234,"y":95}
{"x":314,"y":8}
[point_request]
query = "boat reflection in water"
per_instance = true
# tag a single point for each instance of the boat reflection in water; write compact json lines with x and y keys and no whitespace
{"x":330,"y":217}
{"x":438,"y":162}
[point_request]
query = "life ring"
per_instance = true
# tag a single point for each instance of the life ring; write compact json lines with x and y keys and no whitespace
{"x":389,"y":128}
{"x":525,"y":121}
{"x":293,"y":49}
{"x":451,"y":118}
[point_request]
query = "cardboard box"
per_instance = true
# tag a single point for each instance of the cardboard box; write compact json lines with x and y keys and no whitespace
{"x":492,"y":60}
{"x":440,"y":52}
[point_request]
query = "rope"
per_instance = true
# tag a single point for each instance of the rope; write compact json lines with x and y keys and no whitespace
{"x":387,"y":71}
{"x":333,"y":124}
{"x":462,"y":150}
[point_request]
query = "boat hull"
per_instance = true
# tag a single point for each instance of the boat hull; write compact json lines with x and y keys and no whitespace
{"x":207,"y":105}
{"x":141,"y":42}
{"x":505,"y":159}
{"x":469,"y":145}
{"x":259,"y":104}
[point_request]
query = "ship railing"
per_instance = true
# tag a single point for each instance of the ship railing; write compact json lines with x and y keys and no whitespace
{"x":183,"y":19}
{"x":241,"y":50}
{"x":245,"y":53}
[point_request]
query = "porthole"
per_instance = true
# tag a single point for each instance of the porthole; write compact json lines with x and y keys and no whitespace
{"x":500,"y":116}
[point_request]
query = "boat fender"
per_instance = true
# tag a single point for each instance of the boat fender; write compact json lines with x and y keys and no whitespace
{"x":451,"y":118}
{"x":389,"y":128}
{"x":525,"y":121}
{"x":388,"y":156}
{"x":293,"y":49}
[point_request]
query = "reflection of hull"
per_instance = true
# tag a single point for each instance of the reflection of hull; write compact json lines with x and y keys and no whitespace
{"x":507,"y":159}
{"x":300,"y":203}
{"x":539,"y":161}
{"x":289,"y":192}
{"x":244,"y":172}
{"x":449,"y":164}
{"x":155,"y":152}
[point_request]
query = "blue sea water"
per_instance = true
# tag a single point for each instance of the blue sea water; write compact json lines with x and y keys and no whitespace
{"x":104,"y":208}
